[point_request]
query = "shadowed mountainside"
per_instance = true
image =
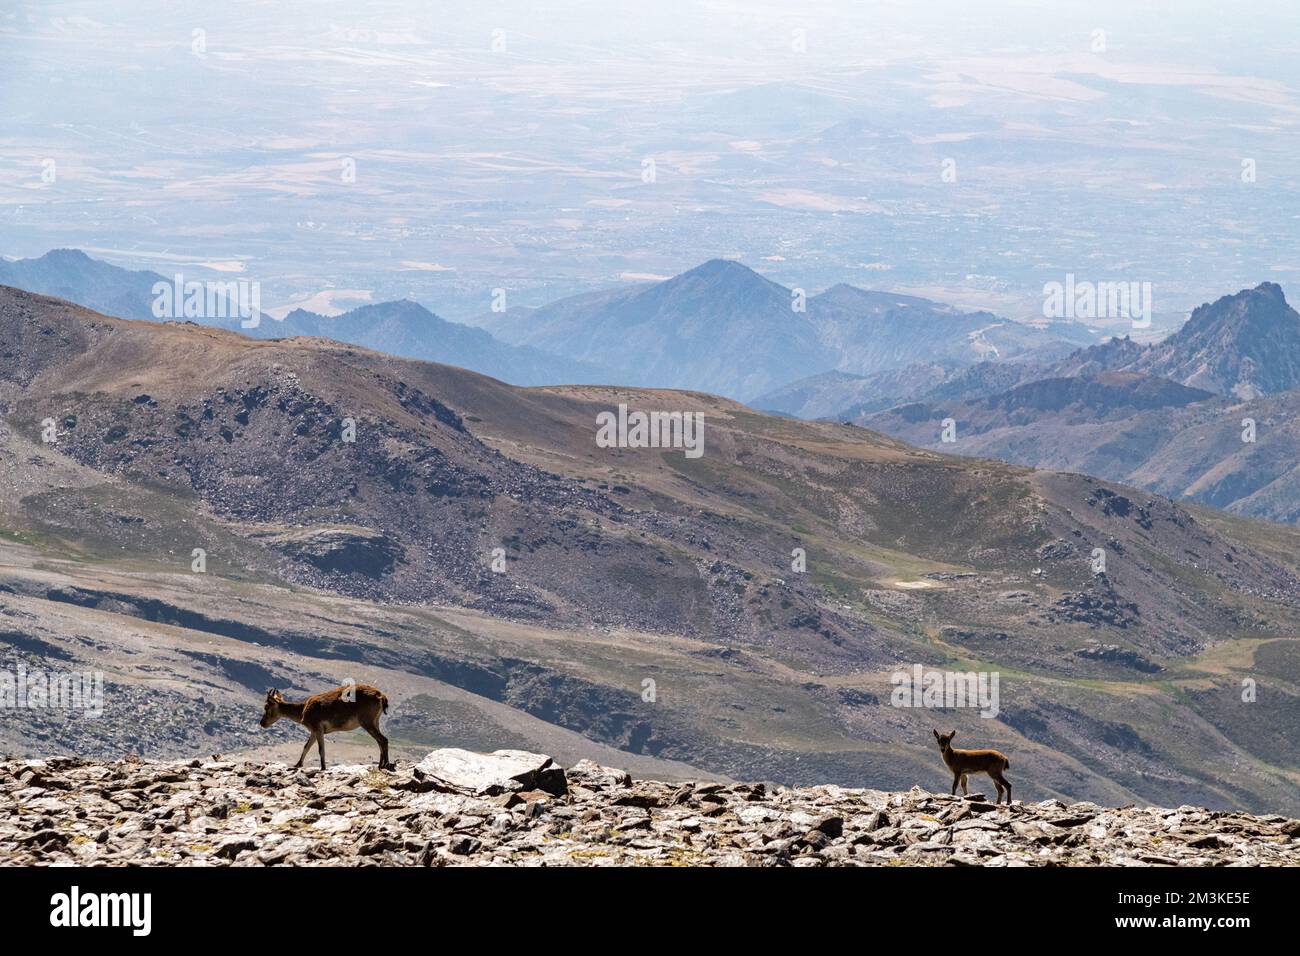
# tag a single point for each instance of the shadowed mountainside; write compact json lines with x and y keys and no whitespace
{"x":71,"y":274}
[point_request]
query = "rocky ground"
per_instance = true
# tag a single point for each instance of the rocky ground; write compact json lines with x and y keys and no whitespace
{"x":514,"y":808}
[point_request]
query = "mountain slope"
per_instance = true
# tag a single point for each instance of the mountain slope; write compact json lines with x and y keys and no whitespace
{"x":876,"y":331}
{"x":1246,"y":344}
{"x":829,"y":393}
{"x":1097,"y":425}
{"x":1186,"y":450}
{"x":328,"y":558}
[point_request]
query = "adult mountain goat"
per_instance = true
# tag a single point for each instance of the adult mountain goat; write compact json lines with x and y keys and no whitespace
{"x":343,"y":708}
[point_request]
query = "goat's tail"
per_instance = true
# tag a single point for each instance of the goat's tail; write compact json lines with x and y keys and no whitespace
{"x":1006,"y":764}
{"x":383,"y":702}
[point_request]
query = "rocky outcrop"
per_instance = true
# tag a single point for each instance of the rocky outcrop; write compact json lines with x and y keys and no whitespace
{"x":1100,"y":608}
{"x":1114,"y":654}
{"x":341,"y":550}
{"x":511,"y":807}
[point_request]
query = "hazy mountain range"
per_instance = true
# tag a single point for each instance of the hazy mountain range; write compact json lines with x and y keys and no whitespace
{"x":898,"y":364}
{"x":400,"y":328}
{"x":1168,"y":416}
{"x":722,"y":328}
{"x":409,"y":329}
{"x":684,"y":332}
{"x":71,"y":274}
{"x":372,"y":554}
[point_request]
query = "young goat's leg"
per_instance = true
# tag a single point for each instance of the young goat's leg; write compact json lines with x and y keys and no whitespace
{"x":964,"y":790}
{"x":956,"y":779}
{"x":320,"y":743}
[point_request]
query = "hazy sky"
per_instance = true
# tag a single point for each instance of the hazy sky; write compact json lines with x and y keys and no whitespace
{"x":343,"y":151}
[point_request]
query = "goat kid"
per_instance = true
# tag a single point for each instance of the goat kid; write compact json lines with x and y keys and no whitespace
{"x":963,"y":762}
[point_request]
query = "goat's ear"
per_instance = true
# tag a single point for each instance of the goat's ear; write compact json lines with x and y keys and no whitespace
{"x":936,"y":733}
{"x":952,"y":735}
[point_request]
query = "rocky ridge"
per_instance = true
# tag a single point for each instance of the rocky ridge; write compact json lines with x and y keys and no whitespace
{"x":515,"y":808}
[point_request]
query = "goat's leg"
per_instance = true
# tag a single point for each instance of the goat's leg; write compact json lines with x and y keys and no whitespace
{"x":303,"y":756}
{"x":373,"y":730}
{"x":320,"y":743}
{"x":956,"y":778}
{"x":964,"y":790}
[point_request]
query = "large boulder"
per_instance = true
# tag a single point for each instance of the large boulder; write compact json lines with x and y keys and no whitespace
{"x":498,"y":772}
{"x":588,"y":773}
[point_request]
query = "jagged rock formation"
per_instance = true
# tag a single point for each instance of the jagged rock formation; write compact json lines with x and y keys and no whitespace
{"x":516,"y":808}
{"x":1247,"y":344}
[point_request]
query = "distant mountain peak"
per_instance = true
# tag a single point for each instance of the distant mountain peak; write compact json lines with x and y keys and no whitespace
{"x":719,"y":269}
{"x":66,"y":255}
{"x":842,"y":292}
{"x":394,"y":307}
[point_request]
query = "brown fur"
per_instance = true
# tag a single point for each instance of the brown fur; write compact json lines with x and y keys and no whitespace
{"x":963,"y":762}
{"x":343,"y":708}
